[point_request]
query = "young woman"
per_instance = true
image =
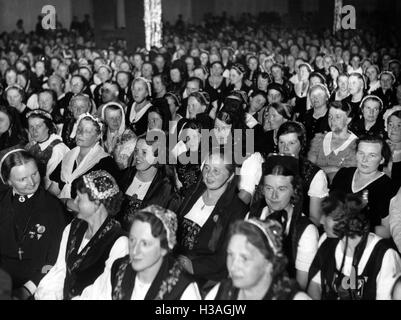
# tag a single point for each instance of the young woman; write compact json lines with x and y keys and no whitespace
{"x":367,"y":179}
{"x":203,"y":220}
{"x":356,"y":265}
{"x":279,"y":197}
{"x":256,"y":265}
{"x":371,"y":121}
{"x":341,"y":92}
{"x":46,"y":146}
{"x":146,"y":182}
{"x":149,"y":271}
{"x":91,"y":240}
{"x":336,"y":149}
{"x":137,"y":113}
{"x":31,"y":225}
{"x":356,"y":86}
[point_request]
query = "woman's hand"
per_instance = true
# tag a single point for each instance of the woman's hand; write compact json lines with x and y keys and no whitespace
{"x":70,"y":205}
{"x":186,"y":263}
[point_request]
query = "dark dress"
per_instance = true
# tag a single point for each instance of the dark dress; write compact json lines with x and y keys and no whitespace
{"x":314,"y":126}
{"x":358,"y":127}
{"x":205,"y":246}
{"x":379,"y":194}
{"x":85,"y":267}
{"x":30,"y":235}
{"x":161,"y":192}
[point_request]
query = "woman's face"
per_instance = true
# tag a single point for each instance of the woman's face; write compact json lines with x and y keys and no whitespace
{"x":257,"y":103}
{"x":355,"y":85}
{"x":147,"y":71}
{"x":328,"y":225}
{"x":338,"y":120}
{"x":4,"y":123}
{"x":195,"y":107}
{"x":38,"y":130}
{"x":314,"y":80}
{"x":14,"y":98}
{"x":175,"y":75}
{"x":144,"y":156}
{"x":263,"y":83}
{"x":172,"y":106}
{"x":246,"y":265}
{"x":204,"y":58}
{"x":368,"y":157}
{"x":371,"y":110}
{"x":145,"y":250}
{"x":45,"y":102}
{"x":192,"y":138}
{"x":140,"y":91}
{"x":155,"y":121}
{"x":318,"y":98}
{"x":289,"y":144}
{"x":235,"y":76}
{"x":40,"y":68}
{"x":221,"y":131}
{"x":274,"y":96}
{"x":158,"y":85}
{"x":334,"y":73}
{"x":79,"y":107}
{"x":104,"y":74}
{"x":304,"y":73}
{"x":277,"y":74}
{"x":217,"y":70}
{"x":25,"y":179}
{"x":386,"y":81}
{"x":189,"y":61}
{"x":76,"y":85}
{"x":394,"y":129}
{"x":215,"y":173}
{"x":113,"y":119}
{"x":86,"y":207}
{"x":253,"y":64}
{"x":278,"y":191}
{"x":87,"y":134}
{"x":343,"y":83}
{"x":274,"y":118}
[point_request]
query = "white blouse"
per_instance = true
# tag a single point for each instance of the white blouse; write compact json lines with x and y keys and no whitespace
{"x":200,"y":212}
{"x":52,"y":285}
{"x":139,"y":188}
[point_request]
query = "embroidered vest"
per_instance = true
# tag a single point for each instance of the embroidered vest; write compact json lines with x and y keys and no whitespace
{"x":44,"y":156}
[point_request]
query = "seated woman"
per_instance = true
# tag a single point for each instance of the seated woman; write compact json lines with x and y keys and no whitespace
{"x":46,"y":146}
{"x":257,"y":102}
{"x":357,"y":265}
{"x":275,"y":114}
{"x":159,"y":117}
{"x":370,"y":122}
{"x":204,"y":218}
{"x":113,"y":115}
{"x":149,"y":271}
{"x":31,"y":225}
{"x":356,"y":86}
{"x":279,"y":197}
{"x":336,"y":149}
{"x":256,"y":265}
{"x":342,"y":91}
{"x":392,"y":122}
{"x":47,"y":100}
{"x":11,"y":131}
{"x":291,"y":138}
{"x":146,"y":182}
{"x":137,"y":113}
{"x":92,"y":240}
{"x":174,"y":103}
{"x":79,"y":104}
{"x":15,"y":96}
{"x":86,"y":157}
{"x":367,"y":179}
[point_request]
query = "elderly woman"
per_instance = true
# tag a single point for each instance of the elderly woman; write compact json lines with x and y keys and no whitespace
{"x":31,"y":225}
{"x":86,"y":157}
{"x":11,"y":131}
{"x":279,"y":197}
{"x":46,"y":146}
{"x":256,"y":265}
{"x":392,"y":122}
{"x":368,"y":180}
{"x":336,"y":149}
{"x":341,"y":92}
{"x":149,"y":271}
{"x":137,"y":113}
{"x":92,"y":240}
{"x":371,"y":121}
{"x":354,"y":257}
{"x":204,"y":218}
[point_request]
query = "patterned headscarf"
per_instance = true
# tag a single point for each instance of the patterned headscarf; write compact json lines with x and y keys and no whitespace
{"x":101,"y":184}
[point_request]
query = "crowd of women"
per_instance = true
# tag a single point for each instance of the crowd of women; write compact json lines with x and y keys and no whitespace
{"x":313,"y":211}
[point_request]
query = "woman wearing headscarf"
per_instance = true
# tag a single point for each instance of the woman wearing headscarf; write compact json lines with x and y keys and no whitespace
{"x":31,"y":223}
{"x":256,"y":264}
{"x":149,"y":271}
{"x":92,"y":240}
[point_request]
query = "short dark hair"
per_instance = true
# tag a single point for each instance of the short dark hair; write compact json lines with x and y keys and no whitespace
{"x":385,"y":148}
{"x":294,"y":127}
{"x":343,"y":106}
{"x":15,"y":159}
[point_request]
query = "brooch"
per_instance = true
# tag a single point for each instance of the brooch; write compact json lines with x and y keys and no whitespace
{"x":38,"y":233}
{"x":215,"y":218}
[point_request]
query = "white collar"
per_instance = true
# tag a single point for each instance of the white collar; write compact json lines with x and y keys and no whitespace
{"x":136,"y":116}
{"x":327,"y":143}
{"x":16,"y":194}
{"x":45,"y":144}
{"x":366,"y":184}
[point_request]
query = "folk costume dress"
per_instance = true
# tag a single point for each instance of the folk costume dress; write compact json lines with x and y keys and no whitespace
{"x":81,"y":261}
